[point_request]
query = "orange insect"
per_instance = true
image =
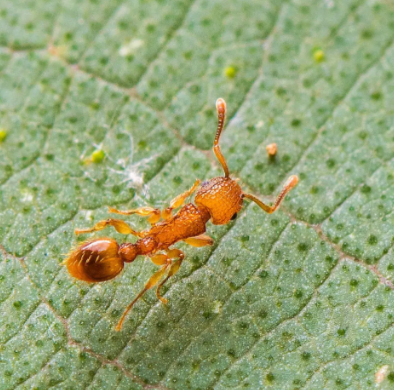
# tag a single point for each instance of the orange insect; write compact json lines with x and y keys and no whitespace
{"x":219,"y":200}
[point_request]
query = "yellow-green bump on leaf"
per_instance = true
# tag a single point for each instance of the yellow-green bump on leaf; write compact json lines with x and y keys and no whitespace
{"x":98,"y":156}
{"x":318,"y":55}
{"x":3,"y":135}
{"x":299,"y":299}
{"x":230,"y":72}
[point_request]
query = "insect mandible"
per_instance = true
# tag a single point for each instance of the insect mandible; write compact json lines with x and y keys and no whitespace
{"x":218,"y":200}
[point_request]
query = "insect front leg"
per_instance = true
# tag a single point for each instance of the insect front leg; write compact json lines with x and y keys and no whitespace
{"x":179,"y":200}
{"x":119,"y":225}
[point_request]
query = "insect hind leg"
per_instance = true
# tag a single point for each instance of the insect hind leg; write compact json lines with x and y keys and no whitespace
{"x":173,"y":269}
{"x":152,"y":282}
{"x":165,"y":260}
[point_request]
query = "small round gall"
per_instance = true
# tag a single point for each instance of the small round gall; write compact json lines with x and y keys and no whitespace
{"x":272,"y":149}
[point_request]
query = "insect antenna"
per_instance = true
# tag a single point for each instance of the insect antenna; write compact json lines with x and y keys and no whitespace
{"x":221,"y":110}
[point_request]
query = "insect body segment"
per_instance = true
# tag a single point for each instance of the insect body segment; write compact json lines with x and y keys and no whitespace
{"x":218,"y":200}
{"x":222,"y":197}
{"x":96,"y":260}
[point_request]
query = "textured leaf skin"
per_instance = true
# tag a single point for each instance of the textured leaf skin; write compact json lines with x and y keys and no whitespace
{"x":301,"y":299}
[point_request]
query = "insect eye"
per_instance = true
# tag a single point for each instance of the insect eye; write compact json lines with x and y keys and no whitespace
{"x":234,"y":216}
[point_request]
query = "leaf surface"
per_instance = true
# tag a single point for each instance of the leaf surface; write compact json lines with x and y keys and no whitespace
{"x":301,"y":299}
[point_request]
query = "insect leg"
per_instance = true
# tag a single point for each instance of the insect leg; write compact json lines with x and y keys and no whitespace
{"x":179,"y":200}
{"x":153,"y":214}
{"x":154,"y":279}
{"x":290,"y":183}
{"x":159,"y":259}
{"x":174,"y":267}
{"x":119,"y":225}
{"x":199,"y":241}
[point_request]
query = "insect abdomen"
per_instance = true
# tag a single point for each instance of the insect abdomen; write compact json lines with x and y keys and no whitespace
{"x":95,"y":261}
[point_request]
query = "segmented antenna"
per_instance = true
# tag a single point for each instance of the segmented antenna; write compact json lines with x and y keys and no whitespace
{"x":221,"y":110}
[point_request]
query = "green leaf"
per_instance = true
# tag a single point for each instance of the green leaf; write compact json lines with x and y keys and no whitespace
{"x":302,"y":298}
